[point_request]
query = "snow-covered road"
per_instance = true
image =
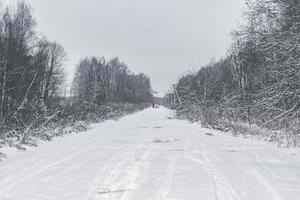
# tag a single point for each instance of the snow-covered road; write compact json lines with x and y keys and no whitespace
{"x":149,"y":155}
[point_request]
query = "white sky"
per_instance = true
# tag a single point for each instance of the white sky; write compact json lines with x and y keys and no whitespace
{"x":161,"y":38}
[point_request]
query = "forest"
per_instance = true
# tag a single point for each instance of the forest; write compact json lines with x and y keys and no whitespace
{"x":33,"y":101}
{"x":255,"y":89}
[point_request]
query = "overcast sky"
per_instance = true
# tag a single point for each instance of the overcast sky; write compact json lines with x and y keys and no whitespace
{"x":161,"y":38}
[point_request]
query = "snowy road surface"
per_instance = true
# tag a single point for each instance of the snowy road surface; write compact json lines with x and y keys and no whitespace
{"x":149,"y":155}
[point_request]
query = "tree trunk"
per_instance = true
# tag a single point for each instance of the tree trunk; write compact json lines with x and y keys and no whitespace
{"x":3,"y":89}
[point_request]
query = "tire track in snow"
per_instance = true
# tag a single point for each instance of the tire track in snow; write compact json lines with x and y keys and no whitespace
{"x":132,"y":175}
{"x":165,"y":187}
{"x":109,"y":164}
{"x":122,"y":175}
{"x":5,"y":187}
{"x":274,"y":195}
{"x":222,"y":190}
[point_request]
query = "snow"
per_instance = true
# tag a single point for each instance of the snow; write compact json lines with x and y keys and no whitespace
{"x":150,"y":155}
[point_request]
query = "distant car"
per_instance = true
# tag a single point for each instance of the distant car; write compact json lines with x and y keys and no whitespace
{"x":155,"y":105}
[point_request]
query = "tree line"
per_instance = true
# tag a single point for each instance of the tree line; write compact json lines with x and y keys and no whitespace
{"x":258,"y":82}
{"x":32,"y":79}
{"x":30,"y":67}
{"x":97,"y":80}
